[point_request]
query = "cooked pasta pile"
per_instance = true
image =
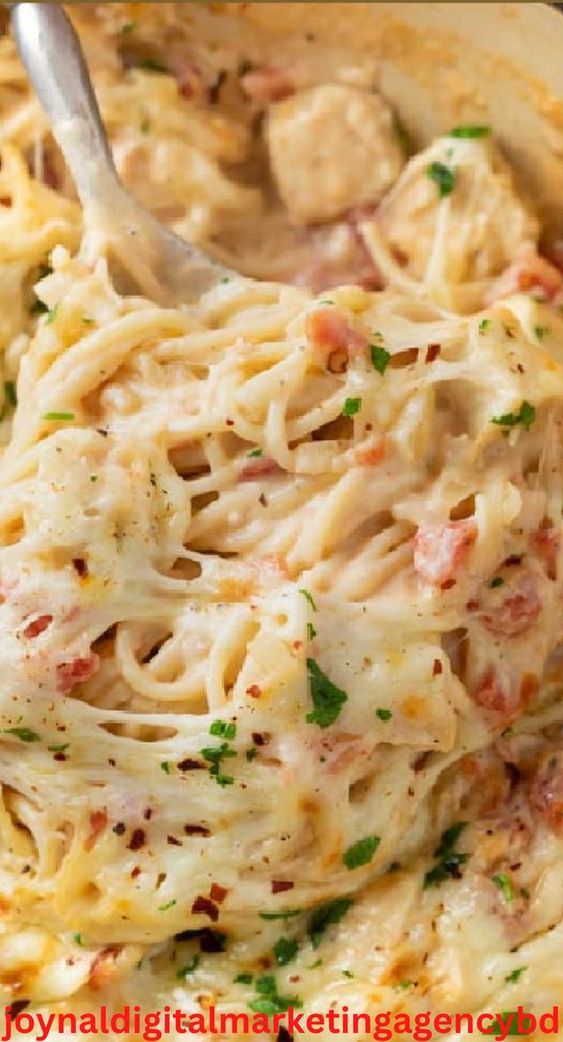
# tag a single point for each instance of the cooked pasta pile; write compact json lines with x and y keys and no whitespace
{"x":280,"y":572}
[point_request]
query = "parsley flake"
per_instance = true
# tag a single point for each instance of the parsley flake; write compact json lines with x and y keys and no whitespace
{"x":165,"y":907}
{"x":384,"y":714}
{"x":525,"y":415}
{"x":470,"y":130}
{"x":269,"y":1001}
{"x":504,"y":883}
{"x":289,"y":914}
{"x":379,"y":357}
{"x":484,"y":325}
{"x":514,"y":977}
{"x":23,"y":733}
{"x":496,"y":582}
{"x":285,"y":949}
{"x":58,"y":748}
{"x":188,"y":968}
{"x":361,"y":853}
{"x":449,"y":859}
{"x":255,"y":454}
{"x":351,"y":406}
{"x":222,"y":729}
{"x":58,"y":416}
{"x":442,"y":176}
{"x":325,"y":916}
{"x":244,"y":978}
{"x":309,"y":598}
{"x":311,"y":631}
{"x":540,"y":332}
{"x":165,"y":766}
{"x":328,"y":699}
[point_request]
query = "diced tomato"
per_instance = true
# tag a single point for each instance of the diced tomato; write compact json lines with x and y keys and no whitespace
{"x":440,"y":551}
{"x":547,"y":791}
{"x":529,"y":273}
{"x":518,"y":609}
{"x":546,"y":543}
{"x":37,"y":626}
{"x":267,"y":84}
{"x":257,"y":468}
{"x":332,"y":338}
{"x":77,"y":671}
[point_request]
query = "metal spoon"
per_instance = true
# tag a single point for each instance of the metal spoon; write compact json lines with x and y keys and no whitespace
{"x":146,"y":257}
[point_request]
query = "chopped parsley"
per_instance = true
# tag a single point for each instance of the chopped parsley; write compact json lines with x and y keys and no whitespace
{"x":470,"y":130}
{"x":404,"y":985}
{"x":540,"y":332}
{"x":484,"y":324}
{"x":361,"y":853}
{"x":221,"y":729}
{"x":268,"y":1000}
{"x":52,"y":314}
{"x":285,"y":950}
{"x":145,"y":126}
{"x":347,"y":973}
{"x":311,"y":631}
{"x":325,"y":916}
{"x":309,"y":598}
{"x":328,"y":699}
{"x":165,"y":766}
{"x":23,"y":733}
{"x":58,"y":748}
{"x":525,"y":415}
{"x":169,"y":904}
{"x":77,"y":938}
{"x":244,"y":978}
{"x":384,"y":714}
{"x":504,"y":883}
{"x":10,"y":396}
{"x":188,"y":968}
{"x":442,"y":176}
{"x":58,"y":416}
{"x":255,"y":454}
{"x":496,"y":582}
{"x":514,"y":977}
{"x":448,"y":858}
{"x":251,"y":753}
{"x":379,"y":357}
{"x":351,"y":406}
{"x":214,"y":756}
{"x":289,"y":914}
{"x":93,"y":477}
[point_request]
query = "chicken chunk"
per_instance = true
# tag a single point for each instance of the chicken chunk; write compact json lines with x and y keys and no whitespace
{"x":332,"y":147}
{"x":454,"y":215}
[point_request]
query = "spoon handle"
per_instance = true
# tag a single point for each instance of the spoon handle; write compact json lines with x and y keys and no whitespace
{"x":52,"y":55}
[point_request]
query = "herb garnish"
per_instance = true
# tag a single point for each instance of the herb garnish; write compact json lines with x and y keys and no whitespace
{"x":325,"y":916}
{"x":442,"y":176}
{"x":23,"y":733}
{"x":380,"y":358}
{"x":188,"y":968}
{"x":484,"y":325}
{"x":285,"y":950}
{"x":449,"y":860}
{"x":496,"y":582}
{"x":351,"y":406}
{"x":361,"y":852}
{"x":328,"y":699}
{"x":309,"y":597}
{"x":514,"y":977}
{"x":254,"y":454}
{"x":525,"y":415}
{"x":289,"y":914}
{"x":384,"y":714}
{"x":471,"y":130}
{"x":269,"y":1001}
{"x":58,"y":416}
{"x":504,"y":883}
{"x":214,"y":756}
{"x":244,"y":978}
{"x":311,"y":631}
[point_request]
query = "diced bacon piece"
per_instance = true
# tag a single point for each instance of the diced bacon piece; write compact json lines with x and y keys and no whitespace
{"x":267,"y":84}
{"x":440,"y":551}
{"x":503,"y":697}
{"x":332,"y":338}
{"x":518,"y":609}
{"x":258,"y":468}
{"x":37,"y":626}
{"x":76,"y":671}
{"x":529,"y":273}
{"x":546,"y":542}
{"x":547,"y":791}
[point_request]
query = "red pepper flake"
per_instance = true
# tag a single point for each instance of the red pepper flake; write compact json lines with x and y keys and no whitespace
{"x":447,"y":585}
{"x":60,"y":757}
{"x":138,"y":839}
{"x":218,"y":893}
{"x":472,"y":605}
{"x":148,"y":814}
{"x":98,"y":822}
{"x":280,"y":885}
{"x":254,"y":691}
{"x":80,"y":566}
{"x":119,"y":829}
{"x":229,"y":422}
{"x":173,"y":841}
{"x":191,"y":765}
{"x":432,"y":352}
{"x":203,"y":906}
{"x":196,"y":830}
{"x":437,"y":667}
{"x":135,"y":871}
{"x":37,"y":626}
{"x":260,"y":739}
{"x":513,"y":560}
